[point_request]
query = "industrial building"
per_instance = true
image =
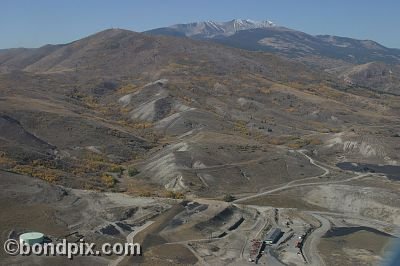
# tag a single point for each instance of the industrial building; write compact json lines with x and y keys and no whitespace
{"x":273,"y":236}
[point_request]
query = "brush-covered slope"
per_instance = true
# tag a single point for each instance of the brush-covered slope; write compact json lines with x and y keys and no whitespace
{"x":334,"y":54}
{"x":189,"y":116}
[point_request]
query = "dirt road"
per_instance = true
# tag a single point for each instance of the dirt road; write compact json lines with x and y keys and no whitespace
{"x":288,"y":186}
{"x":129,"y":239}
{"x":310,"y":249}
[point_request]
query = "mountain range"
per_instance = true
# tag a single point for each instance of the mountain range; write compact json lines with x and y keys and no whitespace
{"x":212,"y":29}
{"x":267,"y":36}
{"x":340,"y":55}
{"x":149,"y":137}
{"x":160,"y":99}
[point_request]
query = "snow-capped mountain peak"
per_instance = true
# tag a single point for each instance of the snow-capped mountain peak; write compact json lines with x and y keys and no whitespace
{"x":209,"y":29}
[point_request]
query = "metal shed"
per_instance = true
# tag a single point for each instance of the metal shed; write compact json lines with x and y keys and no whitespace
{"x":273,"y":236}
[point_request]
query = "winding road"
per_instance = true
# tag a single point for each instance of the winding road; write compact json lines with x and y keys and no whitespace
{"x":310,"y":248}
{"x":313,"y":162}
{"x":293,"y":185}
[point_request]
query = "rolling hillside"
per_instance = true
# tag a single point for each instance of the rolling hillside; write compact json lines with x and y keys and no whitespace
{"x":331,"y":53}
{"x":183,"y":113}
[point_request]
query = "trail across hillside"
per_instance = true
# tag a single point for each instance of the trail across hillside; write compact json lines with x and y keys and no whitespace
{"x":292,"y":185}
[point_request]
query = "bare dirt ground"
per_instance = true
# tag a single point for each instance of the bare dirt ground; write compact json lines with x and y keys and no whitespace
{"x":354,"y":249}
{"x":351,"y":201}
{"x":104,"y":134}
{"x":200,"y":231}
{"x":29,"y":204}
{"x":213,"y":232}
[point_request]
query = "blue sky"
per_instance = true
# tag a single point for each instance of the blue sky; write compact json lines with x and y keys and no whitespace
{"x":32,"y":23}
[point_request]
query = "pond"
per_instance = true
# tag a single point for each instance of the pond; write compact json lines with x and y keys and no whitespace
{"x":343,"y":231}
{"x":391,"y":171}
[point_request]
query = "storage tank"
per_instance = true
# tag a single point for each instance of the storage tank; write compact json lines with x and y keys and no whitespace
{"x":31,"y":238}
